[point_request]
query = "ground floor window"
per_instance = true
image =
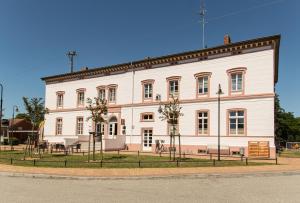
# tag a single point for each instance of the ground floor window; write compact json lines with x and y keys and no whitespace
{"x":59,"y":123}
{"x":236,"y":122}
{"x":79,"y":126}
{"x":202,"y":122}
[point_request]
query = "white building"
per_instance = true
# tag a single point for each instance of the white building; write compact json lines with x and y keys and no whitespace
{"x":247,"y":72}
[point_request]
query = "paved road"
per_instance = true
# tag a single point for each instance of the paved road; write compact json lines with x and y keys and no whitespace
{"x":233,"y":188}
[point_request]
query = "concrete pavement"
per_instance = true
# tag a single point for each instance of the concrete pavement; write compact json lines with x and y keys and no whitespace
{"x":221,"y":188}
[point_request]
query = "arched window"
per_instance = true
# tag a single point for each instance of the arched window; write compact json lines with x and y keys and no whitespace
{"x":112,"y":127}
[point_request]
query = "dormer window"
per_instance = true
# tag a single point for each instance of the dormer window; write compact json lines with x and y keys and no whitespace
{"x":203,"y":83}
{"x":80,"y":97}
{"x":173,"y":86}
{"x":236,"y":81}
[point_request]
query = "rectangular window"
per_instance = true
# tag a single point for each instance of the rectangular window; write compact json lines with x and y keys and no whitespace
{"x":147,"y":117}
{"x":203,"y":123}
{"x":237,"y":122}
{"x":236,"y":82}
{"x":80,"y":98}
{"x":174,"y":88}
{"x":79,"y":126}
{"x":101,"y":94}
{"x":59,"y":123}
{"x":203,"y":85}
{"x":148,"y":91}
{"x":60,"y":100}
{"x":112,"y":95}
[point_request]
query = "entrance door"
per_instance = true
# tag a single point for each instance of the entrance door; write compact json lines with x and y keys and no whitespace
{"x":113,"y":128}
{"x":258,"y":149}
{"x":147,"y":139}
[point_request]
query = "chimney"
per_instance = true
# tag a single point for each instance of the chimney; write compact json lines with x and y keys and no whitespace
{"x":84,"y":68}
{"x":227,"y":40}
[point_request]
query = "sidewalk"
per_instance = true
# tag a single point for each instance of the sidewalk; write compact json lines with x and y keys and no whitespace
{"x":285,"y":165}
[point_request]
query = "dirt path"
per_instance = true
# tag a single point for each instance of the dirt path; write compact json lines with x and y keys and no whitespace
{"x":286,"y":164}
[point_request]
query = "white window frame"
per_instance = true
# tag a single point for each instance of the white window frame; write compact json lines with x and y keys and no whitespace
{"x":201,"y":120}
{"x":59,"y":126}
{"x":79,"y":125}
{"x":236,"y":117}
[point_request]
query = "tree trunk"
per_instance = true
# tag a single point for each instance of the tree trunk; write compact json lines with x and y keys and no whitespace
{"x":101,"y":150}
{"x":170,"y":148}
{"x":174,"y":147}
{"x":94,"y":147}
{"x":179,"y":142}
{"x":89,"y":149}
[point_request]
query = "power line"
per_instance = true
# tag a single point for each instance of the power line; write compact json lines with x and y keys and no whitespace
{"x":246,"y":10}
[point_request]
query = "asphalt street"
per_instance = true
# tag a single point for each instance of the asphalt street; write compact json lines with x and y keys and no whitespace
{"x":212,"y":188}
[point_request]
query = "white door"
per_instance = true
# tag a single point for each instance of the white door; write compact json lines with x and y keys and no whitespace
{"x":147,"y":139}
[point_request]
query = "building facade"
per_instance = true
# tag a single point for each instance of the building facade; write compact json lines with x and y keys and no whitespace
{"x":247,"y":72}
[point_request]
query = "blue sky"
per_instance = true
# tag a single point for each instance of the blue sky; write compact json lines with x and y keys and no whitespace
{"x":36,"y":34}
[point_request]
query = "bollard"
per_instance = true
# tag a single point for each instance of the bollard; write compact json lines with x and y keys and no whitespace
{"x":11,"y":161}
{"x":101,"y":163}
{"x":210,"y":156}
{"x":160,"y":154}
{"x":34,"y":162}
{"x":177,"y":164}
{"x":214,"y":162}
{"x":139,"y":163}
{"x":247,"y":161}
{"x":138,"y":153}
{"x":65,"y":163}
{"x":276,"y":160}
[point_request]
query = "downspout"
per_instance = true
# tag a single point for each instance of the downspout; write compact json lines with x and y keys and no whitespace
{"x":132,"y":101}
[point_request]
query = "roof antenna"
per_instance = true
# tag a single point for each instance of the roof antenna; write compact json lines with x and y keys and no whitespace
{"x":202,"y":14}
{"x":71,"y":55}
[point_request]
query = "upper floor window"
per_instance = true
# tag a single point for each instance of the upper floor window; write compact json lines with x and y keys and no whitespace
{"x":147,"y":117}
{"x":202,"y":119}
{"x":237,"y":122}
{"x":147,"y":90}
{"x":203,"y":83}
{"x":173,"y":86}
{"x":79,"y":126}
{"x":80,"y":97}
{"x":59,"y":99}
{"x":236,"y":80}
{"x":101,"y":93}
{"x":112,"y":93}
{"x":59,"y":123}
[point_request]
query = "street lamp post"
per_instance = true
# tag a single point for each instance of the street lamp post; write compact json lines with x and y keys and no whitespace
{"x":1,"y":111}
{"x":15,"y":109}
{"x":219,"y":101}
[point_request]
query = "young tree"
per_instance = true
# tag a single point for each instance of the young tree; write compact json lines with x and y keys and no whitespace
{"x":35,"y":112}
{"x":171,"y":113}
{"x":98,"y":110}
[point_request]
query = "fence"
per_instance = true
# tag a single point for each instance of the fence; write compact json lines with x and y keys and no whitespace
{"x":138,"y":163}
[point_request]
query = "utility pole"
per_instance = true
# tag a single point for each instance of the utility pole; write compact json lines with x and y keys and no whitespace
{"x":1,"y":112}
{"x":203,"y":21}
{"x":71,"y":55}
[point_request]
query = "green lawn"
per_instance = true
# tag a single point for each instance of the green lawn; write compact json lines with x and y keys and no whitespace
{"x":112,"y":161}
{"x":290,"y":154}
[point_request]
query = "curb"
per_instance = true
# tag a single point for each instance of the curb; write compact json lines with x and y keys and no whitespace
{"x":179,"y":176}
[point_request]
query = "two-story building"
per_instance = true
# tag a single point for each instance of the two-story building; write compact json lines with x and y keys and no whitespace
{"x":247,"y":72}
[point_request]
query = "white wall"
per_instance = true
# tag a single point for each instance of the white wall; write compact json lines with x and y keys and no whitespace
{"x":258,"y":80}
